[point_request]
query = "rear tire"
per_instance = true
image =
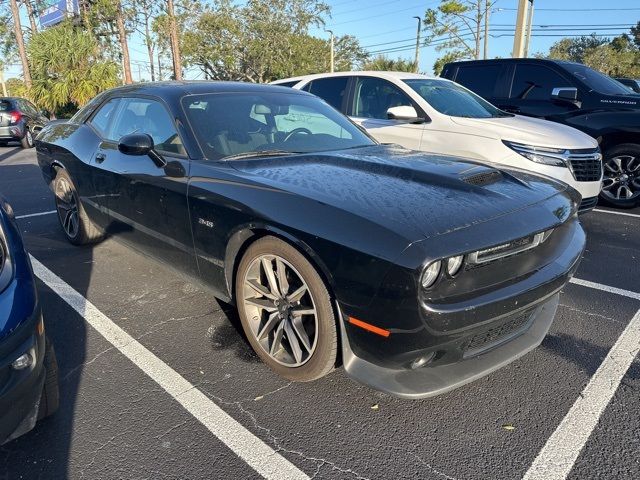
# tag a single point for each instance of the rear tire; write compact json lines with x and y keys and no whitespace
{"x":621,"y":181}
{"x":50,"y":398}
{"x":27,"y":140}
{"x":312,"y":351}
{"x":75,"y":223}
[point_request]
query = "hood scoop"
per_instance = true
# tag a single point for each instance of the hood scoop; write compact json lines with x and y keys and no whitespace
{"x":483,"y":178}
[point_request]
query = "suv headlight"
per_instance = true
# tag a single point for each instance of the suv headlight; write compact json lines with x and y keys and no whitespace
{"x":556,"y":157}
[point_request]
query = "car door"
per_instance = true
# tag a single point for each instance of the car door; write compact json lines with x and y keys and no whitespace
{"x":371,"y":99}
{"x":530,"y":92}
{"x":147,"y":204}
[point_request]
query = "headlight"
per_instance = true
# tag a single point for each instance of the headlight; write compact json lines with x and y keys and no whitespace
{"x":545,"y":155}
{"x":454,"y":264}
{"x":430,"y":274}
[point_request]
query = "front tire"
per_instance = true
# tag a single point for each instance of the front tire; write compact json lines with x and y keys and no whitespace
{"x":286,"y":311}
{"x":27,"y":140}
{"x":75,"y":223}
{"x":621,"y":180}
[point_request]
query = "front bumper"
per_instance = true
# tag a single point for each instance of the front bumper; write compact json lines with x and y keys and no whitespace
{"x":430,"y":381}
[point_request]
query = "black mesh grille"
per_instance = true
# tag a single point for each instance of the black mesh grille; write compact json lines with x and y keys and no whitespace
{"x":588,"y":204}
{"x":494,"y":335}
{"x":586,"y":169}
{"x":484,"y":178}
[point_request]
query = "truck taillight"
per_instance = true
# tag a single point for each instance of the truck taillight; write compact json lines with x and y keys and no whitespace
{"x":16,"y":116}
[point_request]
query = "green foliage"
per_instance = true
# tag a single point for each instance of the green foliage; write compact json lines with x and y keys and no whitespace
{"x":67,"y":68}
{"x":262,"y":41}
{"x":451,"y":56}
{"x":385,"y":64}
{"x":455,"y":26}
{"x":619,"y":57}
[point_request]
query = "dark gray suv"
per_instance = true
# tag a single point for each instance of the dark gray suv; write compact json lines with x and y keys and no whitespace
{"x":20,"y":121}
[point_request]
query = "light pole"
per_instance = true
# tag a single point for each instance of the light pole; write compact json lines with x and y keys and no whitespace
{"x":331,"y":32}
{"x":487,"y":12}
{"x":417,"y":59}
{"x":526,"y":45}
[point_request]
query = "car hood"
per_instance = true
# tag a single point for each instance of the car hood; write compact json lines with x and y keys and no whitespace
{"x":411,"y":193}
{"x":530,"y":131}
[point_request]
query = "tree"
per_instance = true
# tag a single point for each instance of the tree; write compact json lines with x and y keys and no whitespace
{"x":68,"y":68}
{"x":456,"y":26}
{"x":145,"y":11}
{"x":382,"y":63}
{"x":575,"y":49}
{"x":349,"y":54}
{"x":635,"y":33}
{"x":31,"y":15}
{"x":122,"y":36}
{"x":17,"y":29}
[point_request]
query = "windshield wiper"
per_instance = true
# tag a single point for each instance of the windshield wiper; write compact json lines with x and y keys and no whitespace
{"x":259,"y":153}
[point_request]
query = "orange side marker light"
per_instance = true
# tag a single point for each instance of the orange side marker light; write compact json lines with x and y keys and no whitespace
{"x":371,"y":328}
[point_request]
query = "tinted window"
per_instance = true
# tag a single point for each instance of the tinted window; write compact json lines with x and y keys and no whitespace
{"x":5,"y":106}
{"x":243,"y":123}
{"x":103,"y":116}
{"x":138,"y":115}
{"x":331,"y":90}
{"x":479,"y":78}
{"x":597,"y":81}
{"x":286,"y":84}
{"x":374,"y":96}
{"x":536,"y":82}
{"x":449,"y":98}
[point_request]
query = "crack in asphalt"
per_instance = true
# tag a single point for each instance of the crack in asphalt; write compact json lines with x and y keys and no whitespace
{"x":590,"y":314}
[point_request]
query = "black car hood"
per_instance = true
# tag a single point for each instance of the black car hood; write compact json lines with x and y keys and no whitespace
{"x":421,"y":194}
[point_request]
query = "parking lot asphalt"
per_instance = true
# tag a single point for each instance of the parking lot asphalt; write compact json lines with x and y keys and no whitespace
{"x":120,"y":418}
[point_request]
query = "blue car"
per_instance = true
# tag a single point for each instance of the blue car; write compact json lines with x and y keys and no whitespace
{"x":28,"y":368}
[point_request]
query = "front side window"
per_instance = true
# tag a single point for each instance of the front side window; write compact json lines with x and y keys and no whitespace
{"x":103,"y":116}
{"x":374,"y":96}
{"x":140,"y":115}
{"x":331,"y":90}
{"x":451,"y":99}
{"x":229,"y":124}
{"x":536,"y":82}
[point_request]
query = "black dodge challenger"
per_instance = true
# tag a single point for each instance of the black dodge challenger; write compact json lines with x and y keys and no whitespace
{"x":418,"y":273}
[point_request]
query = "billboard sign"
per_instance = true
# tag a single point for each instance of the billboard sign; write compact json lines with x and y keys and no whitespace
{"x":55,"y":11}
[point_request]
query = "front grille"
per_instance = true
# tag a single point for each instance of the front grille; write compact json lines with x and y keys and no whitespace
{"x":587,"y":204}
{"x":484,"y":178}
{"x":497,"y":334}
{"x":586,"y":165}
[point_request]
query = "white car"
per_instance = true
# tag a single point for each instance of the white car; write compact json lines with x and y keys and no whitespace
{"x":432,"y":114}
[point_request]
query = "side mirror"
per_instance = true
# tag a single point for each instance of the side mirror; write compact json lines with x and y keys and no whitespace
{"x":565,"y":94}
{"x":405,"y":113}
{"x":139,"y":144}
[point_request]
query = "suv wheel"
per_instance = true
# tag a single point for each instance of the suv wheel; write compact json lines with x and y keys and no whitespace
{"x":27,"y":140}
{"x":286,"y":310}
{"x":621,"y":181}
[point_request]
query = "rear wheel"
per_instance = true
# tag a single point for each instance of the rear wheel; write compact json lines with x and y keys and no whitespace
{"x":621,"y":180}
{"x":27,"y":140}
{"x":50,"y":398}
{"x":286,"y":310}
{"x":76,"y":225}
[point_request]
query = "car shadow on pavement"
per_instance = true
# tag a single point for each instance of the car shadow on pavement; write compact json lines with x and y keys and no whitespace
{"x":586,"y":355}
{"x":44,"y":452}
{"x":230,"y":335}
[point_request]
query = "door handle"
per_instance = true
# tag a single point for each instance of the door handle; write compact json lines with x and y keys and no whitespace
{"x":101,"y":157}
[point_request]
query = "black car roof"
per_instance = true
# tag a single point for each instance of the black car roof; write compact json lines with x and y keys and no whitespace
{"x":191,"y":87}
{"x":514,"y":60}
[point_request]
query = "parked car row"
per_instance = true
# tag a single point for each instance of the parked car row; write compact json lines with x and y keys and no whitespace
{"x":440,"y":116}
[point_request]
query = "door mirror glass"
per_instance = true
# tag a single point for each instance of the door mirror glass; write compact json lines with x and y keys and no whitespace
{"x":569,"y":94}
{"x":404,"y":112}
{"x":136,"y":144}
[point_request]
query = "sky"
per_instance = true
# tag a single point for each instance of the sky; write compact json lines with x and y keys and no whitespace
{"x":389,"y":24}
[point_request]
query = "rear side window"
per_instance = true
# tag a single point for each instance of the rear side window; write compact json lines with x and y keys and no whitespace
{"x":286,"y":84}
{"x":5,"y":106}
{"x":103,"y":117}
{"x":535,"y":82}
{"x":331,"y":90}
{"x":480,"y":79}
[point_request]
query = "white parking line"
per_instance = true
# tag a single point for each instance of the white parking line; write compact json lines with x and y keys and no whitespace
{"x":39,"y":214}
{"x":557,"y":457}
{"x":257,"y":454}
{"x":599,"y":210}
{"x":606,"y":288}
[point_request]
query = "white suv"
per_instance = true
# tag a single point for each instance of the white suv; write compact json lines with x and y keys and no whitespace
{"x":436,"y":115}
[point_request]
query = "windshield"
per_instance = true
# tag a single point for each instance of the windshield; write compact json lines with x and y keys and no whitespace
{"x":596,"y":81}
{"x":235,"y":124}
{"x":452,"y":99}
